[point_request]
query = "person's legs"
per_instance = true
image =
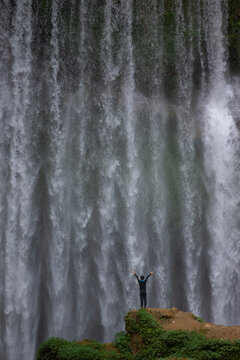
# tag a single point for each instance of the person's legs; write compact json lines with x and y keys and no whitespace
{"x":141,"y":299}
{"x":145,"y":300}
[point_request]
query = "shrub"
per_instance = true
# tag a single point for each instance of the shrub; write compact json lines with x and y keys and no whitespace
{"x":122,"y":342}
{"x":49,"y":349}
{"x":74,"y":352}
{"x":60,"y":349}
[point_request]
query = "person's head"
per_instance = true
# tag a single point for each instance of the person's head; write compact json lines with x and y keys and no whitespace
{"x":142,"y":277}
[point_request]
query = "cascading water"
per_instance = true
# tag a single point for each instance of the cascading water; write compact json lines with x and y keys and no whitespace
{"x":119,"y":151}
{"x":221,"y":138}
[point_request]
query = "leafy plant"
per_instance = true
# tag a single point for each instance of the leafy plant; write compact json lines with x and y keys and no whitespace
{"x":60,"y":349}
{"x":122,"y":343}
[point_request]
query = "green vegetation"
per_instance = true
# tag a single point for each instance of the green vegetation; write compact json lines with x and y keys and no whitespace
{"x":198,"y":318}
{"x":234,"y":34}
{"x":60,"y":349}
{"x":144,"y":339}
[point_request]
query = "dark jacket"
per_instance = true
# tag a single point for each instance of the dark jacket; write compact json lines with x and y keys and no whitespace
{"x":142,"y":284}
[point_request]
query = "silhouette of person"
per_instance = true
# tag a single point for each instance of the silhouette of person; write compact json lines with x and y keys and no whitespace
{"x":142,"y":287}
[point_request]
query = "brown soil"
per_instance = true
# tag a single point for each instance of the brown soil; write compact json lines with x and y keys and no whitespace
{"x":174,"y":319}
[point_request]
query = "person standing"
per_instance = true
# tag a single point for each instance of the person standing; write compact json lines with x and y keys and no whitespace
{"x":142,"y":287}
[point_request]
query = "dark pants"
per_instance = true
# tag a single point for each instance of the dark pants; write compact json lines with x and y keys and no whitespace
{"x":143,"y":300}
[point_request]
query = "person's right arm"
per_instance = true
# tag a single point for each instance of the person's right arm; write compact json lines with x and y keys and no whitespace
{"x":135,"y":275}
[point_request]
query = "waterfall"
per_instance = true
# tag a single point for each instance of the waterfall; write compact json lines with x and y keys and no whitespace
{"x":119,"y":150}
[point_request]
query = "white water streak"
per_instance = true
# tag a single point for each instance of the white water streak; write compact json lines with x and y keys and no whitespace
{"x":220,"y":141}
{"x":19,"y":227}
{"x":59,"y":248}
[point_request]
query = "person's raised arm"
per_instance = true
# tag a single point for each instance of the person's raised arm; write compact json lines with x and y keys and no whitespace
{"x":133,"y":272}
{"x":149,"y":275}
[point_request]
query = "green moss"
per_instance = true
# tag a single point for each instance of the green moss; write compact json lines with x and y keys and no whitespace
{"x":198,"y":318}
{"x":234,"y":34}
